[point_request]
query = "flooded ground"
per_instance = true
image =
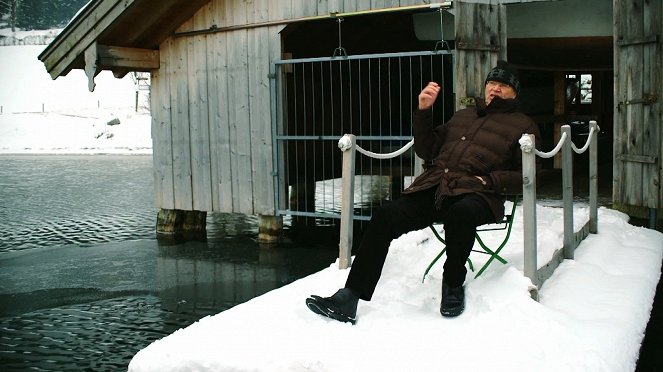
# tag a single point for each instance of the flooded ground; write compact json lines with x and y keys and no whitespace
{"x":85,"y":283}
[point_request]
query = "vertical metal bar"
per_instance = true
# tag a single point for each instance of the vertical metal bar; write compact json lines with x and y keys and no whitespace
{"x":389,"y":116}
{"x":421,"y":73}
{"x":370,"y":123}
{"x":347,"y":205}
{"x":370,"y":94}
{"x":567,"y":193}
{"x":307,"y":145}
{"x":418,"y":163}
{"x":330,"y":99}
{"x":340,"y":95}
{"x":349,"y":95}
{"x":318,"y":121}
{"x":295,"y":131}
{"x":283,"y":149}
{"x":444,"y":82}
{"x":593,"y":179}
{"x":453,"y":76}
{"x":398,"y":112}
{"x":431,"y":76}
{"x":273,"y":86}
{"x":360,"y":94}
{"x":316,"y":130}
{"x":529,"y":212}
{"x":379,"y":116}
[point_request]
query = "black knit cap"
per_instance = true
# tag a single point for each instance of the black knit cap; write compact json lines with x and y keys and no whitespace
{"x":505,"y":73}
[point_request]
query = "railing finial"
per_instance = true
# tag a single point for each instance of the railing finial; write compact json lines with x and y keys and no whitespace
{"x":345,"y":143}
{"x":526,"y":143}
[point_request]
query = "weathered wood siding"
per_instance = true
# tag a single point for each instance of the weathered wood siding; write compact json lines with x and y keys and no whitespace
{"x":211,"y":128}
{"x":638,"y":70}
{"x":480,"y":42}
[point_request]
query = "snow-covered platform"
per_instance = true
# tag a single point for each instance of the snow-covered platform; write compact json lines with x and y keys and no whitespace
{"x":591,"y":316}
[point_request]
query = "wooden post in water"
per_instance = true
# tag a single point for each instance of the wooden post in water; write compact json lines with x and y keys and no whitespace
{"x":181,"y":225}
{"x":269,"y":228}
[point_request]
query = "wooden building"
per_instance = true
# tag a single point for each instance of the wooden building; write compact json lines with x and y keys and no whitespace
{"x":212,"y":71}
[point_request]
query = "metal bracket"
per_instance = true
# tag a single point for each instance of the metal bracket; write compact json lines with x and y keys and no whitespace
{"x":340,"y":51}
{"x":469,"y":46}
{"x":638,"y":41}
{"x":441,"y":44}
{"x":647,"y":99}
{"x":637,"y":158}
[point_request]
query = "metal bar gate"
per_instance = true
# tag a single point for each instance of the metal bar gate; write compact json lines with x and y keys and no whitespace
{"x":315,"y":101}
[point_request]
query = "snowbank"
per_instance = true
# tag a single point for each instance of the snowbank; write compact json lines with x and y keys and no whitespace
{"x":41,"y":115}
{"x":19,"y":37}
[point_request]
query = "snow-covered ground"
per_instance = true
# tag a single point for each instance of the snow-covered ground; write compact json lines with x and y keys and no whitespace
{"x":591,"y":316}
{"x":41,"y":115}
{"x":32,"y":37}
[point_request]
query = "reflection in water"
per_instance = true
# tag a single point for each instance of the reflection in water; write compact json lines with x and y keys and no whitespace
{"x":85,"y":284}
{"x":87,"y":336}
{"x":133,"y":294}
{"x":74,"y":199}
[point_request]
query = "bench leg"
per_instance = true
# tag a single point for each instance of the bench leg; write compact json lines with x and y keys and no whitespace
{"x":493,"y":255}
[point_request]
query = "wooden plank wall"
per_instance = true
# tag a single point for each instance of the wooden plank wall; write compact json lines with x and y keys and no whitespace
{"x":162,"y":151}
{"x":211,"y":128}
{"x":480,"y":42}
{"x":653,"y":114}
{"x":638,"y":61}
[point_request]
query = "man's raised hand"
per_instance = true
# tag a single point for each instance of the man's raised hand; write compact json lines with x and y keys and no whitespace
{"x":428,"y":95}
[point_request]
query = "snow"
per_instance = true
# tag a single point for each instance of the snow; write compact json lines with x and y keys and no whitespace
{"x":591,"y":316}
{"x":31,"y":37}
{"x":41,"y":115}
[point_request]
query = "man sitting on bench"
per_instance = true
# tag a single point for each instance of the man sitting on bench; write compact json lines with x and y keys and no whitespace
{"x":476,"y":160}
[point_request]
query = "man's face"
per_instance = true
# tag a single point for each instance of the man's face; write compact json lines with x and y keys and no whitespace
{"x":497,"y":89}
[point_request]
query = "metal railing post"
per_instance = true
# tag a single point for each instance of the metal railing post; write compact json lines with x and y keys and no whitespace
{"x":593,"y":178}
{"x":347,"y":201}
{"x":567,"y":193}
{"x":529,"y":210}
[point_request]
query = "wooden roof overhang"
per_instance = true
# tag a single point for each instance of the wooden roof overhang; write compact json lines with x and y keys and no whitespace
{"x":116,"y":35}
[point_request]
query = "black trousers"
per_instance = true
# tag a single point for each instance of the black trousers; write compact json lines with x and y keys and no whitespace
{"x":460,"y":214}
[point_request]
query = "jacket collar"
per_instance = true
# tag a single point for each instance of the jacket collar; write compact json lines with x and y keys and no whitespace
{"x":497,"y":105}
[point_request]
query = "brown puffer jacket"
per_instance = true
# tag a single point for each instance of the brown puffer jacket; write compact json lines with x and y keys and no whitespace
{"x":476,"y":141}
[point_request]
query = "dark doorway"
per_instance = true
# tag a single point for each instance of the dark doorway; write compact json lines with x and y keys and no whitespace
{"x":569,"y":81}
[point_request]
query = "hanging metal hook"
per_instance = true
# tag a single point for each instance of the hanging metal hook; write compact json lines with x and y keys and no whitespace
{"x":340,"y":51}
{"x":441,"y":44}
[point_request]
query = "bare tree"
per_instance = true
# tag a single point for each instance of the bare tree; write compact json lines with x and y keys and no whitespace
{"x":12,"y":6}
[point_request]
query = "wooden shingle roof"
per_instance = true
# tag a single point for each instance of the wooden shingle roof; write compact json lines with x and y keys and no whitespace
{"x":121,"y":35}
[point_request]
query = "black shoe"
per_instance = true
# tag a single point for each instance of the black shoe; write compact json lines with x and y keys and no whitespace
{"x":341,"y":306}
{"x":453,"y":300}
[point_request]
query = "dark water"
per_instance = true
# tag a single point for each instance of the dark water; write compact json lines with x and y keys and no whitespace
{"x":84,"y":282}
